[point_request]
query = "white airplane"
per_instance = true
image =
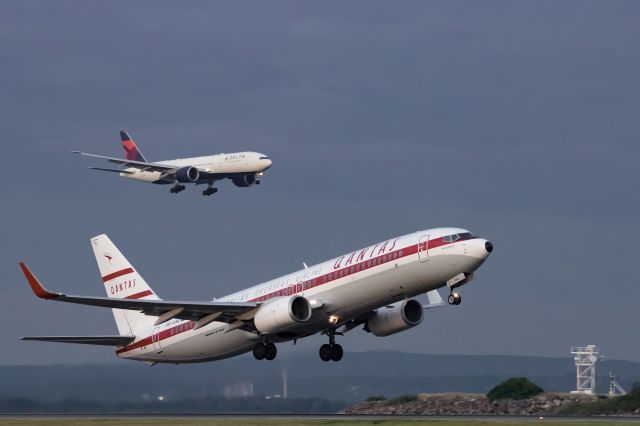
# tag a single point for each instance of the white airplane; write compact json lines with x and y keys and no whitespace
{"x":243,"y":168}
{"x":374,"y":287}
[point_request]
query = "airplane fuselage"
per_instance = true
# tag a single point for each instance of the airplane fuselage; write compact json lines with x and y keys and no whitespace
{"x":213,"y":167}
{"x":341,"y":289}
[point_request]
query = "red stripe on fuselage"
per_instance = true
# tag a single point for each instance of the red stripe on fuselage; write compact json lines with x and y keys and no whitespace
{"x":117,"y":274}
{"x":140,"y":295}
{"x":355,"y":268}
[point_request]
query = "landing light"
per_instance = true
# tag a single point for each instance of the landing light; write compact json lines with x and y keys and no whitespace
{"x":333,"y":319}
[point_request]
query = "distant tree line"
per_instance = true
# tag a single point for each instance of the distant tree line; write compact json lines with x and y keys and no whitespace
{"x":253,"y":405}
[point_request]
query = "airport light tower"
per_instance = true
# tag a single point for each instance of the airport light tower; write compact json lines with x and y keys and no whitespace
{"x":586,"y":358}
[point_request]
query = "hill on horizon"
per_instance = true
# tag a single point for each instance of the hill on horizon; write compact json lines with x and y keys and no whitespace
{"x":357,"y":376}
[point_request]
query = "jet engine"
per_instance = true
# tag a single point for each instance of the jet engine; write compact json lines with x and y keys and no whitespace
{"x":395,"y":318}
{"x":281,"y":314}
{"x":187,"y":174}
{"x":244,"y":180}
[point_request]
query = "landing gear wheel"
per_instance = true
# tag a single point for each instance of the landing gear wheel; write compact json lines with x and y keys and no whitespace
{"x":270,"y":351}
{"x":209,"y":191}
{"x":336,"y":352}
{"x":454,"y":299}
{"x":177,"y":188}
{"x":325,"y":352}
{"x":257,"y":182}
{"x":259,"y":351}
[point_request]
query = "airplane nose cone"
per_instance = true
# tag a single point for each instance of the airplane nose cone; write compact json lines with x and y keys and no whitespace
{"x":488,"y":246}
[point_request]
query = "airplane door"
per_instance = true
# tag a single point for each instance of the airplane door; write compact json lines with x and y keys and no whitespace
{"x":423,"y":248}
{"x":155,"y":338}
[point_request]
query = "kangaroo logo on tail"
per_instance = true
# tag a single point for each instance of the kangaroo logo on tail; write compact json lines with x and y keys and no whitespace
{"x":131,"y":151}
{"x":109,"y":257}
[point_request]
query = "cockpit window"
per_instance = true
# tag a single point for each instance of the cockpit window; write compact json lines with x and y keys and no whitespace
{"x":264,"y":158}
{"x":455,"y":237}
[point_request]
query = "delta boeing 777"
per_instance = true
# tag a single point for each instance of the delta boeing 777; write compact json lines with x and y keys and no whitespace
{"x":374,"y":287}
{"x":243,"y":168}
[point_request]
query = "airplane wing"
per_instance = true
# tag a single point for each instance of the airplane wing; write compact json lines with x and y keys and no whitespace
{"x":142,"y":165}
{"x":87,"y":340}
{"x":164,"y":309}
{"x":126,"y":172}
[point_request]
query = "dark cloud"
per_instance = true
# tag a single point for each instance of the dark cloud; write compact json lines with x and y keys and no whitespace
{"x":514,"y":119}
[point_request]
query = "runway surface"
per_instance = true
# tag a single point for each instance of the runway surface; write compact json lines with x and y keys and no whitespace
{"x":312,"y":420}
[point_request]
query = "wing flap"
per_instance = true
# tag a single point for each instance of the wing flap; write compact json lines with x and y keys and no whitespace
{"x":86,"y":340}
{"x":103,"y":169}
{"x":189,"y":310}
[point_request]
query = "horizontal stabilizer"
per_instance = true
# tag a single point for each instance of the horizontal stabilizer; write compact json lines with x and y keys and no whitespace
{"x":111,"y":170}
{"x":86,"y":340}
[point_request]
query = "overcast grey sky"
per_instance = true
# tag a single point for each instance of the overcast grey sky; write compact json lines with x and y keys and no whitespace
{"x":517,"y":120}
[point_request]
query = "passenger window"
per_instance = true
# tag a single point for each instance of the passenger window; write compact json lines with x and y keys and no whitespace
{"x":352,"y":269}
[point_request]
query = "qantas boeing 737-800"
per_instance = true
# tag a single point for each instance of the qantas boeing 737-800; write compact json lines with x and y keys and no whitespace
{"x":243,"y":168}
{"x":374,"y":287}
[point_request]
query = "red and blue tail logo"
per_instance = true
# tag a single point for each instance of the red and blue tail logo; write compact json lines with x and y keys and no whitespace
{"x":131,"y":151}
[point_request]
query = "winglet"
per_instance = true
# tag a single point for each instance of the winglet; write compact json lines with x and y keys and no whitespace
{"x":36,"y":287}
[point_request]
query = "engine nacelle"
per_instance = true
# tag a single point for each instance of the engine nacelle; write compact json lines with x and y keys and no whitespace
{"x":187,"y":174}
{"x":244,"y":180}
{"x":398,"y":317}
{"x":281,"y":314}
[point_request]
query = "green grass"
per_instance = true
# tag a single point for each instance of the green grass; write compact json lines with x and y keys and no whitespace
{"x":61,"y":421}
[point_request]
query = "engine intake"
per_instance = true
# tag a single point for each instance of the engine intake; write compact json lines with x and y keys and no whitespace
{"x":398,"y":317}
{"x":187,"y":174}
{"x":244,"y":180}
{"x":281,"y":314}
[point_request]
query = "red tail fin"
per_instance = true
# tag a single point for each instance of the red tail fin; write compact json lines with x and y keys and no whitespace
{"x":131,"y":151}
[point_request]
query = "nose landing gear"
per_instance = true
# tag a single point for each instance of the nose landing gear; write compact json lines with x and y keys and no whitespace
{"x":209,"y":191}
{"x":454,"y":298}
{"x":177,"y":188}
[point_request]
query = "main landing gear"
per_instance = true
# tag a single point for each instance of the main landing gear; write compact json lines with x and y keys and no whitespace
{"x":454,"y":298}
{"x":209,"y":191}
{"x":177,"y":188}
{"x":266,"y":351}
{"x":331,"y":351}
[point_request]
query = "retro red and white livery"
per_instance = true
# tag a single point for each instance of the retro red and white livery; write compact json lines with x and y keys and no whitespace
{"x":243,"y":168}
{"x":374,"y":287}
